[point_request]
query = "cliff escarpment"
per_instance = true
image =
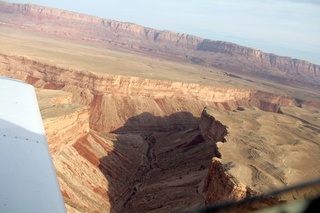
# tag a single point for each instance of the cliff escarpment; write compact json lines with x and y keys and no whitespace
{"x":174,"y":46}
{"x":265,"y":64}
{"x":117,"y":99}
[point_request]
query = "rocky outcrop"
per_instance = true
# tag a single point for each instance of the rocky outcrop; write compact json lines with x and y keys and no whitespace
{"x":226,"y":47}
{"x":175,"y":46}
{"x":211,"y":129}
{"x":63,"y":121}
{"x":248,"y":164}
{"x":65,"y":124}
{"x":221,"y":187}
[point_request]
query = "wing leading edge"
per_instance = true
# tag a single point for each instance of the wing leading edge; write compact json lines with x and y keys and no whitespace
{"x":28,"y":182}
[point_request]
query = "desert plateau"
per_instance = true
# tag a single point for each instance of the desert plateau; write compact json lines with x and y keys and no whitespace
{"x":143,"y":120}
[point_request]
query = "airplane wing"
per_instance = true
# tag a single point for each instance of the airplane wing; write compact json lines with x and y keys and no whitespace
{"x":28,"y":182}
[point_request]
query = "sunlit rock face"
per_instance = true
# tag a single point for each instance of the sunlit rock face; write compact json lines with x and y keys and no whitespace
{"x":113,"y":100}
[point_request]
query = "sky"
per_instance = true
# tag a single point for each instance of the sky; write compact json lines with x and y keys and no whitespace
{"x":284,"y":27}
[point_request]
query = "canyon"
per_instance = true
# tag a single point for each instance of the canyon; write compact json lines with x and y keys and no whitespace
{"x":122,"y":144}
{"x":216,"y":123}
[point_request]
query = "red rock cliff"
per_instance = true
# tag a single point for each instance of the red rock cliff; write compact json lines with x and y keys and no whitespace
{"x":118,"y":98}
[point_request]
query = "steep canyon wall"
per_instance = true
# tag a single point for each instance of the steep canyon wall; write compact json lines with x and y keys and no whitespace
{"x":116,"y":99}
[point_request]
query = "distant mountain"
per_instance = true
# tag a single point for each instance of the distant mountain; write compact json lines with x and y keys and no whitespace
{"x":166,"y":44}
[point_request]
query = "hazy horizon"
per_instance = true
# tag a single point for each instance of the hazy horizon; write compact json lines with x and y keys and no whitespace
{"x":283,"y":27}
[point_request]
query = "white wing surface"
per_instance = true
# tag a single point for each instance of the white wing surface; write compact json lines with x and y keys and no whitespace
{"x":28,"y":182}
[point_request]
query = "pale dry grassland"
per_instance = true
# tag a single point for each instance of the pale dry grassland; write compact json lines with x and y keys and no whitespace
{"x":275,"y":145}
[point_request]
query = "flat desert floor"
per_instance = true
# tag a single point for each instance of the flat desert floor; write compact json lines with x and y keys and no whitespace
{"x":106,"y":59}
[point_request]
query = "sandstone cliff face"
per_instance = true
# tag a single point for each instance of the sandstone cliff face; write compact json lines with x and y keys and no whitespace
{"x":262,"y":60}
{"x":221,"y":187}
{"x":229,"y":48}
{"x":96,"y":171}
{"x":103,"y":172}
{"x":62,"y":120}
{"x":176,"y":46}
{"x":40,"y":12}
{"x":65,"y":123}
{"x":117,"y":98}
{"x":211,"y":129}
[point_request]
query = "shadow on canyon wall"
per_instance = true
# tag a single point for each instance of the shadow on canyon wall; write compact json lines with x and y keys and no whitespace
{"x":146,"y":122}
{"x":127,"y":167}
{"x":134,"y":161}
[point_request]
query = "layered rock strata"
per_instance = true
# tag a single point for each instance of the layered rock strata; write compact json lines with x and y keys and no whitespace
{"x":84,"y":158}
{"x":169,"y":171}
{"x":114,"y":100}
{"x":225,"y":55}
{"x":104,"y":172}
{"x":62,"y":120}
